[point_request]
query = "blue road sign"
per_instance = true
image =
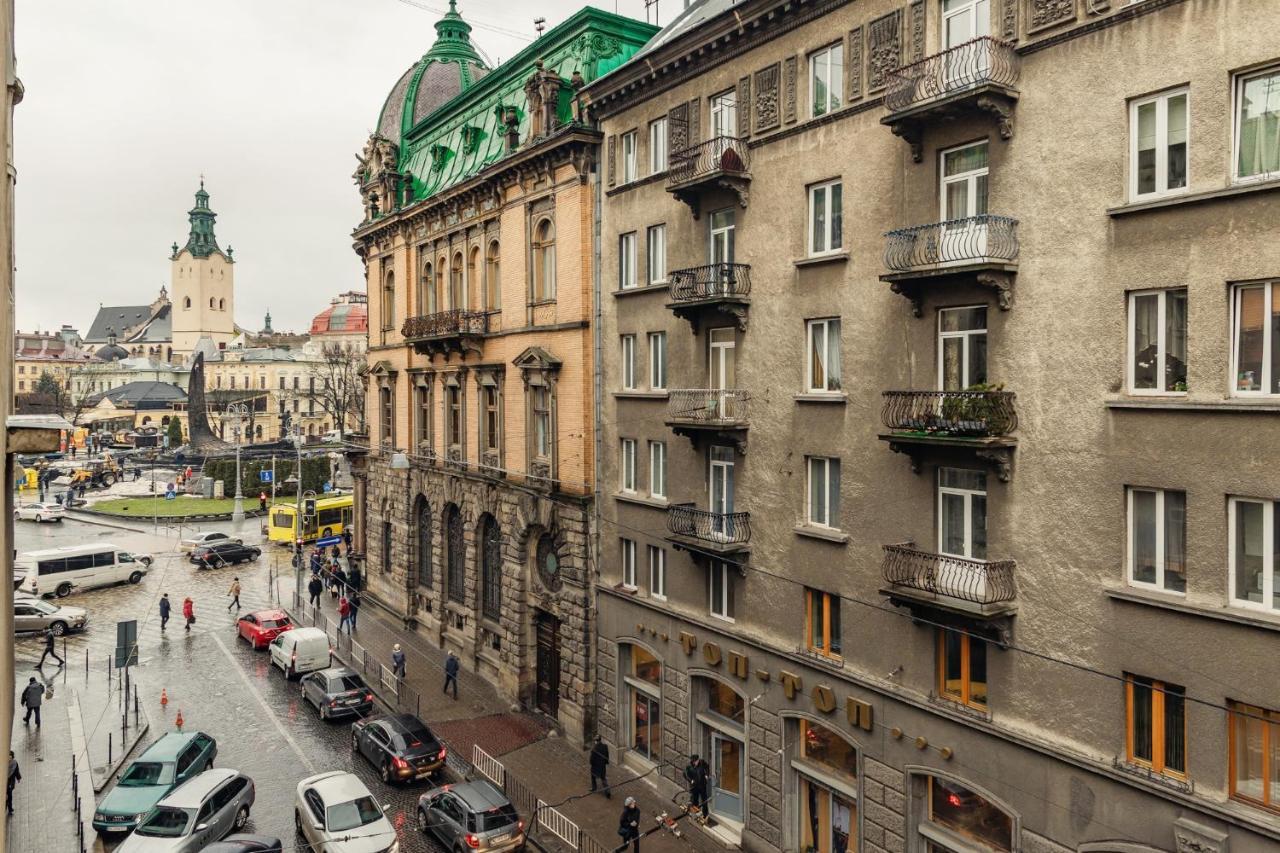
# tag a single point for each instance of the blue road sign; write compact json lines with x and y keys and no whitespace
{"x":328,"y":487}
{"x":170,"y":495}
{"x":328,"y":540}
{"x":265,"y":476}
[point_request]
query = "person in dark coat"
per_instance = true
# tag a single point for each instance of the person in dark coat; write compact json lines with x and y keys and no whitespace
{"x":599,"y":764}
{"x":353,"y":575}
{"x":32,"y":697}
{"x":397,"y":661}
{"x":346,"y":539}
{"x":15,"y":776}
{"x":164,"y":610}
{"x":698,"y":775}
{"x":629,"y":824}
{"x":50,"y":649}
{"x":315,"y":562}
{"x":353,"y":598}
{"x":315,"y":587}
{"x":451,"y":674}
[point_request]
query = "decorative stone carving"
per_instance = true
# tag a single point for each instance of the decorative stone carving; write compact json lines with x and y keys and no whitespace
{"x":1046,"y":13}
{"x":542,"y":90}
{"x":766,"y":104}
{"x":677,"y":128}
{"x":1009,"y":20}
{"x":613,"y":160}
{"x":1194,"y":837}
{"x":917,"y":30}
{"x":744,"y":112}
{"x":695,"y":117}
{"x":853,"y":66}
{"x":884,"y":49}
{"x":789,"y":89}
{"x":376,"y":176}
{"x":1003,"y":112}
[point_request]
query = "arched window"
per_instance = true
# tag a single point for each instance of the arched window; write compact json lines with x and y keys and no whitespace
{"x":490,"y":568}
{"x":544,"y":261}
{"x":211,"y":302}
{"x":642,"y":720}
{"x":146,"y":420}
{"x":956,"y":808}
{"x":455,"y":553}
{"x":473,"y":276}
{"x":424,"y":543}
{"x":439,"y":283}
{"x":222,"y":305}
{"x":186,"y":302}
{"x":389,"y":302}
{"x":492,"y":282}
{"x":456,"y":301}
{"x":825,"y":765}
{"x":257,"y":431}
{"x":426,"y":290}
{"x":164,"y":421}
{"x":720,"y":730}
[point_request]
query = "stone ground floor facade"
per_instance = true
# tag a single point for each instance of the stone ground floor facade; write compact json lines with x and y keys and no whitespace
{"x":813,"y":757}
{"x":496,"y":572}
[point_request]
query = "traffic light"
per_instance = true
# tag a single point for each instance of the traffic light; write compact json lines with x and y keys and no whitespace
{"x":309,"y":506}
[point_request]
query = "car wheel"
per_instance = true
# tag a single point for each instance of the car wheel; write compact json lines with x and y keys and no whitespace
{"x":422,"y":821}
{"x":135,"y":577}
{"x":242,"y":817}
{"x":297,"y":824}
{"x":385,"y":772}
{"x":324,"y":715}
{"x":63,"y":590}
{"x":355,"y":742}
{"x":58,"y":628}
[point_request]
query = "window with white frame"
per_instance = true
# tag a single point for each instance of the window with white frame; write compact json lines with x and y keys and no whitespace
{"x":1158,"y":342}
{"x":962,"y":348}
{"x":629,"y":141}
{"x":657,"y":571}
{"x":627,"y":261}
{"x":1158,"y":128}
{"x":656,"y":247}
{"x":822,"y":499}
{"x":628,"y":563}
{"x":628,"y":362}
{"x":628,"y":465}
{"x":724,"y":114}
{"x":720,"y":589}
{"x":657,"y":146}
{"x":658,"y":469}
{"x":826,"y":79}
{"x":1158,"y":539}
{"x":1257,"y":125}
{"x":822,"y":370}
{"x":962,"y":513}
{"x":1256,"y":339}
{"x":658,"y":361}
{"x":825,"y":218}
{"x":1255,"y":553}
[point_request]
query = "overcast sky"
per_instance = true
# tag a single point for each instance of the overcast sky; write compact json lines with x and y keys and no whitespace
{"x":128,"y":102}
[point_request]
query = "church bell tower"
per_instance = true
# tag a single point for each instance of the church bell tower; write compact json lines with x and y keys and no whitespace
{"x":203,"y":284}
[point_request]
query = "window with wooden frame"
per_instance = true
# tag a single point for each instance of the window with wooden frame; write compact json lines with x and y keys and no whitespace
{"x":544,"y":261}
{"x":822,"y":622}
{"x":453,"y":410}
{"x":962,"y":668}
{"x":423,"y":412}
{"x":1156,"y":729}
{"x":1254,"y":755}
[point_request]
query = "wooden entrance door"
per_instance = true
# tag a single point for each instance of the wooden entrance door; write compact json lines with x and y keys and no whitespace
{"x":548,"y":692}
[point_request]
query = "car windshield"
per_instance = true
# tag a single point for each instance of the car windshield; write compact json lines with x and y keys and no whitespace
{"x":165,"y":822}
{"x":44,"y":607}
{"x":348,"y":682}
{"x":124,"y":557}
{"x":499,"y":818}
{"x":275,"y":623}
{"x":147,"y":773}
{"x":359,"y":812}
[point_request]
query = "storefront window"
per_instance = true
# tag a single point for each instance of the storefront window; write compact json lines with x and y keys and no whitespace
{"x":821,"y":745}
{"x":969,"y":815}
{"x":646,"y":733}
{"x":645,"y":666}
{"x":724,"y":701}
{"x":827,"y":820}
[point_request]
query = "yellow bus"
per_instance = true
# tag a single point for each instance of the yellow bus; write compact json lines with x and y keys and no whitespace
{"x":333,"y":515}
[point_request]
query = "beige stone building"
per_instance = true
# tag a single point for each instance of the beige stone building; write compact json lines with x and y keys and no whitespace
{"x":941,"y":371}
{"x":12,"y":95}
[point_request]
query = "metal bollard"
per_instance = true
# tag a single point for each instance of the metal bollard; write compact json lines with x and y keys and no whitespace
{"x":108,"y":747}
{"x":86,"y":663}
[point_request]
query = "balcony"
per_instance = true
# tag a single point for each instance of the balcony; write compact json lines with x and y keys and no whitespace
{"x":446,"y":331}
{"x":976,"y":588}
{"x":716,"y":414}
{"x":972,"y":422}
{"x":720,"y":163}
{"x":712,"y":289}
{"x":976,"y":77}
{"x":980,"y":249}
{"x":705,"y":532}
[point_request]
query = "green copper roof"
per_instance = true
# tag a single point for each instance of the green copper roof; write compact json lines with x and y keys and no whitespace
{"x":202,"y":242}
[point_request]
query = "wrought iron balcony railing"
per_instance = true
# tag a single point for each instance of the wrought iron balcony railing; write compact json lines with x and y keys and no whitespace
{"x":715,"y":407}
{"x":952,"y":243}
{"x":446,"y":324}
{"x":978,"y":414}
{"x":715,"y":528}
{"x":712,"y":281}
{"x":720,"y":155}
{"x":976,"y":581}
{"x":975,"y":63}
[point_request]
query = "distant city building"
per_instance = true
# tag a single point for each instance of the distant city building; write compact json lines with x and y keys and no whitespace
{"x":38,"y":353}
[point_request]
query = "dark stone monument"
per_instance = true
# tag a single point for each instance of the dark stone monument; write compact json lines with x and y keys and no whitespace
{"x":200,"y":436}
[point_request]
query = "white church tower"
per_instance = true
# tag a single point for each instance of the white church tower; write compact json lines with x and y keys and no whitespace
{"x":203,"y":279}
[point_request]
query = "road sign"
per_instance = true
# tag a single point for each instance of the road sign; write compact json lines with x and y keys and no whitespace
{"x":266,"y":476}
{"x":127,"y":643}
{"x":328,"y":540}
{"x":170,"y":495}
{"x":328,"y":487}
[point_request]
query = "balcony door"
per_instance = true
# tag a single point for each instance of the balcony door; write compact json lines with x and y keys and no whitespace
{"x":962,"y":348}
{"x":720,"y":490}
{"x":962,"y":513}
{"x":724,"y":114}
{"x":963,"y":197}
{"x":721,"y":374}
{"x":962,"y":21}
{"x":720,"y":250}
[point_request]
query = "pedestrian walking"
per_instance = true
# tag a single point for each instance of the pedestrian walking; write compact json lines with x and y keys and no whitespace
{"x":335,"y":586}
{"x":599,"y":765}
{"x":32,"y":697}
{"x":451,"y":674}
{"x":344,"y":614}
{"x":346,"y":539}
{"x":315,"y":563}
{"x":15,"y":776}
{"x":340,"y":574}
{"x":353,"y":574}
{"x":354,"y":600}
{"x":397,"y":662}
{"x":315,"y":587}
{"x":629,"y":824}
{"x":234,"y":592}
{"x":164,"y":610}
{"x":49,"y":649}
{"x":262,"y":501}
{"x":189,"y":612}
{"x":73,"y":450}
{"x":698,"y":775}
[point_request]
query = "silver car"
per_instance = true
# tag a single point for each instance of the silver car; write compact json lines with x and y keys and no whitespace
{"x":335,"y":812}
{"x":471,"y":816}
{"x":34,"y":614}
{"x":200,"y":811}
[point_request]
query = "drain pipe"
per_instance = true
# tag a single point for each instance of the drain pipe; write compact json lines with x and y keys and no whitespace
{"x":597,"y":383}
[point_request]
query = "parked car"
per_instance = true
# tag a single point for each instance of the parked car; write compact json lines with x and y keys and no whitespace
{"x":34,"y":614}
{"x":222,"y":554}
{"x":337,"y":692}
{"x":332,"y":807}
{"x":262,"y":627}
{"x":167,"y":763}
{"x":197,"y":812}
{"x":400,"y":746}
{"x":245,"y":843}
{"x":471,"y":816}
{"x":209,"y":537}
{"x":301,"y":650}
{"x":39,"y":512}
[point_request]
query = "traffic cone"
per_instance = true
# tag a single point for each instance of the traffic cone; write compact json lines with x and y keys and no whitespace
{"x":164,"y":697}
{"x":178,"y":721}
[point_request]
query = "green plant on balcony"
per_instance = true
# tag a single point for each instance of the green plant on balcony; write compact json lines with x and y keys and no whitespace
{"x":978,"y":411}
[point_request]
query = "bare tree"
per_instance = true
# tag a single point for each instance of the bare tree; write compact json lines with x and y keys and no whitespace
{"x":339,"y":385}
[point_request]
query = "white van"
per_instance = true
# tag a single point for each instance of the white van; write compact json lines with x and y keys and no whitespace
{"x":301,"y":650}
{"x":76,"y":567}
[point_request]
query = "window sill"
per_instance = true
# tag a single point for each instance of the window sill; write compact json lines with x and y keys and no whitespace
{"x":817,"y":397}
{"x":647,"y":288}
{"x":641,"y":395}
{"x":642,"y":500}
{"x":818,"y":260}
{"x":1179,"y":604}
{"x":1236,"y":405}
{"x":1193,"y":198}
{"x":1172,"y":782}
{"x":826,"y":534}
{"x":540,"y":302}
{"x":624,"y":186}
{"x":627,"y":590}
{"x":961,"y":708}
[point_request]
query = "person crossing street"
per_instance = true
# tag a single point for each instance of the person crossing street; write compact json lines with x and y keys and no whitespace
{"x":49,"y":649}
{"x":344,"y":614}
{"x":234,"y":592}
{"x":314,"y":588}
{"x":189,"y":612}
{"x":262,"y":501}
{"x":164,"y":610}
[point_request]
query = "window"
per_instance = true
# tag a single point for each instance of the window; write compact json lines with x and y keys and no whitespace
{"x":724,"y":114}
{"x":629,"y":141}
{"x":455,"y":553}
{"x":962,"y":513}
{"x":453,"y":415}
{"x":822,"y":622}
{"x":491,"y":568}
{"x":628,"y":465}
{"x":388,"y":302}
{"x":720,"y":590}
{"x":1158,"y":342}
{"x":1257,"y":131}
{"x":1158,"y":145}
{"x":627,"y":261}
{"x":962,"y":348}
{"x":628,"y":563}
{"x":387,"y":409}
{"x":1256,"y":349}
{"x":426,"y":290}
{"x":656,"y":245}
{"x":1254,"y":735}
{"x":1255,"y":553}
{"x":491,"y":400}
{"x":823,"y":354}
{"x":1157,"y":725}
{"x":724,"y":701}
{"x":424,"y":544}
{"x":657,"y":571}
{"x":644,"y":678}
{"x":825,"y":218}
{"x":826,"y":79}
{"x":658,"y":469}
{"x":657,"y":146}
{"x":628,"y":362}
{"x":457,"y":299}
{"x":492,"y":279}
{"x":658,"y":361}
{"x":386,"y":547}
{"x":544,"y":261}
{"x":822,"y":502}
{"x":968,"y":814}
{"x":540,"y":405}
{"x":962,"y":668}
{"x":1158,"y":539}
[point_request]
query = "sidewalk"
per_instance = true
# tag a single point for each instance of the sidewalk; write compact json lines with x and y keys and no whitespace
{"x":553,"y":770}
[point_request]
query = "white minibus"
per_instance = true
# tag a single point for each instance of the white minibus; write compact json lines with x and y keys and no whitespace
{"x":77,"y":567}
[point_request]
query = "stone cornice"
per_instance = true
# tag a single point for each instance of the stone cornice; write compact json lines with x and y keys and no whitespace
{"x":1128,"y":13}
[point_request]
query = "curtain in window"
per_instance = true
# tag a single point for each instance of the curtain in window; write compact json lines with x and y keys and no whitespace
{"x":1259,"y":121}
{"x":1175,"y":541}
{"x":1175,"y":721}
{"x":1144,"y":537}
{"x":1249,"y":545}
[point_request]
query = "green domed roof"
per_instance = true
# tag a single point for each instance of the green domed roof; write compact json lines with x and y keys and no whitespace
{"x":444,"y":72}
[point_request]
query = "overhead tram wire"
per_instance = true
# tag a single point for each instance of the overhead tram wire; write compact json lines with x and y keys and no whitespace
{"x":478,"y":24}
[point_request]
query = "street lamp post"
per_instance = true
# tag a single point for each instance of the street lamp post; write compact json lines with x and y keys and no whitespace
{"x":238,"y":411}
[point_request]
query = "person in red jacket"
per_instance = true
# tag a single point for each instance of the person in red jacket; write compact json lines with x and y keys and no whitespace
{"x":344,"y":614}
{"x":188,"y":612}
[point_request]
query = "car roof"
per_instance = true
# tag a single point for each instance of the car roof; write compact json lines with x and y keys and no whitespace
{"x":270,"y":614}
{"x":299,"y":634}
{"x":337,"y":786}
{"x":404,"y":722}
{"x":169,"y":746}
{"x":480,"y":795}
{"x":191,"y":793}
{"x":337,"y":671}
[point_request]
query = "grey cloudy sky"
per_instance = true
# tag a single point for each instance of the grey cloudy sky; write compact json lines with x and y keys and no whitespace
{"x":129,"y":101}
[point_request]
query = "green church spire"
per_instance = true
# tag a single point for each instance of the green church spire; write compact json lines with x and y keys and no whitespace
{"x":202,"y":242}
{"x":453,"y":39}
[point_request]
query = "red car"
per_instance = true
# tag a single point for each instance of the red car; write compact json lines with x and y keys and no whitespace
{"x":264,"y":626}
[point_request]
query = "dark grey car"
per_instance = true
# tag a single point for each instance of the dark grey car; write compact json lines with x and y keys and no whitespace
{"x":337,"y":692}
{"x":471,"y":816}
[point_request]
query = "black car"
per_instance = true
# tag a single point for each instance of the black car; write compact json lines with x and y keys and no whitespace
{"x":223,"y":554}
{"x":242,"y":843}
{"x":337,"y":692}
{"x":400,"y":746}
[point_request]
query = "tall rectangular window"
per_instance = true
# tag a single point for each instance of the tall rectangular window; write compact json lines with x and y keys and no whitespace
{"x":628,"y":364}
{"x":656,"y":246}
{"x":962,"y":668}
{"x":826,"y":218}
{"x":1254,"y":754}
{"x":658,"y":361}
{"x":628,"y":466}
{"x":628,"y":563}
{"x":720,"y":589}
{"x":657,"y":571}
{"x":627,"y":261}
{"x":1158,"y":539}
{"x":826,"y":79}
{"x":491,"y":400}
{"x":1257,"y":130}
{"x":1256,"y":344}
{"x":1158,"y":342}
{"x":658,"y":469}
{"x":962,"y":348}
{"x":822,"y":371}
{"x":629,"y":154}
{"x":822,"y":502}
{"x":822,"y":622}
{"x":453,"y":415}
{"x":540,"y":412}
{"x":422,"y":392}
{"x":1255,"y":553}
{"x":387,"y":410}
{"x":657,"y":146}
{"x":724,"y":114}
{"x":1158,"y":145}
{"x":962,"y":513}
{"x":1156,"y":725}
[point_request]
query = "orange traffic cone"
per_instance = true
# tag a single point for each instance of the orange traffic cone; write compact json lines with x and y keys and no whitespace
{"x":178,"y":721}
{"x":164,"y":697}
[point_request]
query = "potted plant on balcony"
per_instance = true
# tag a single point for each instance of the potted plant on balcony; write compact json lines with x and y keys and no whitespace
{"x":974,"y":412}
